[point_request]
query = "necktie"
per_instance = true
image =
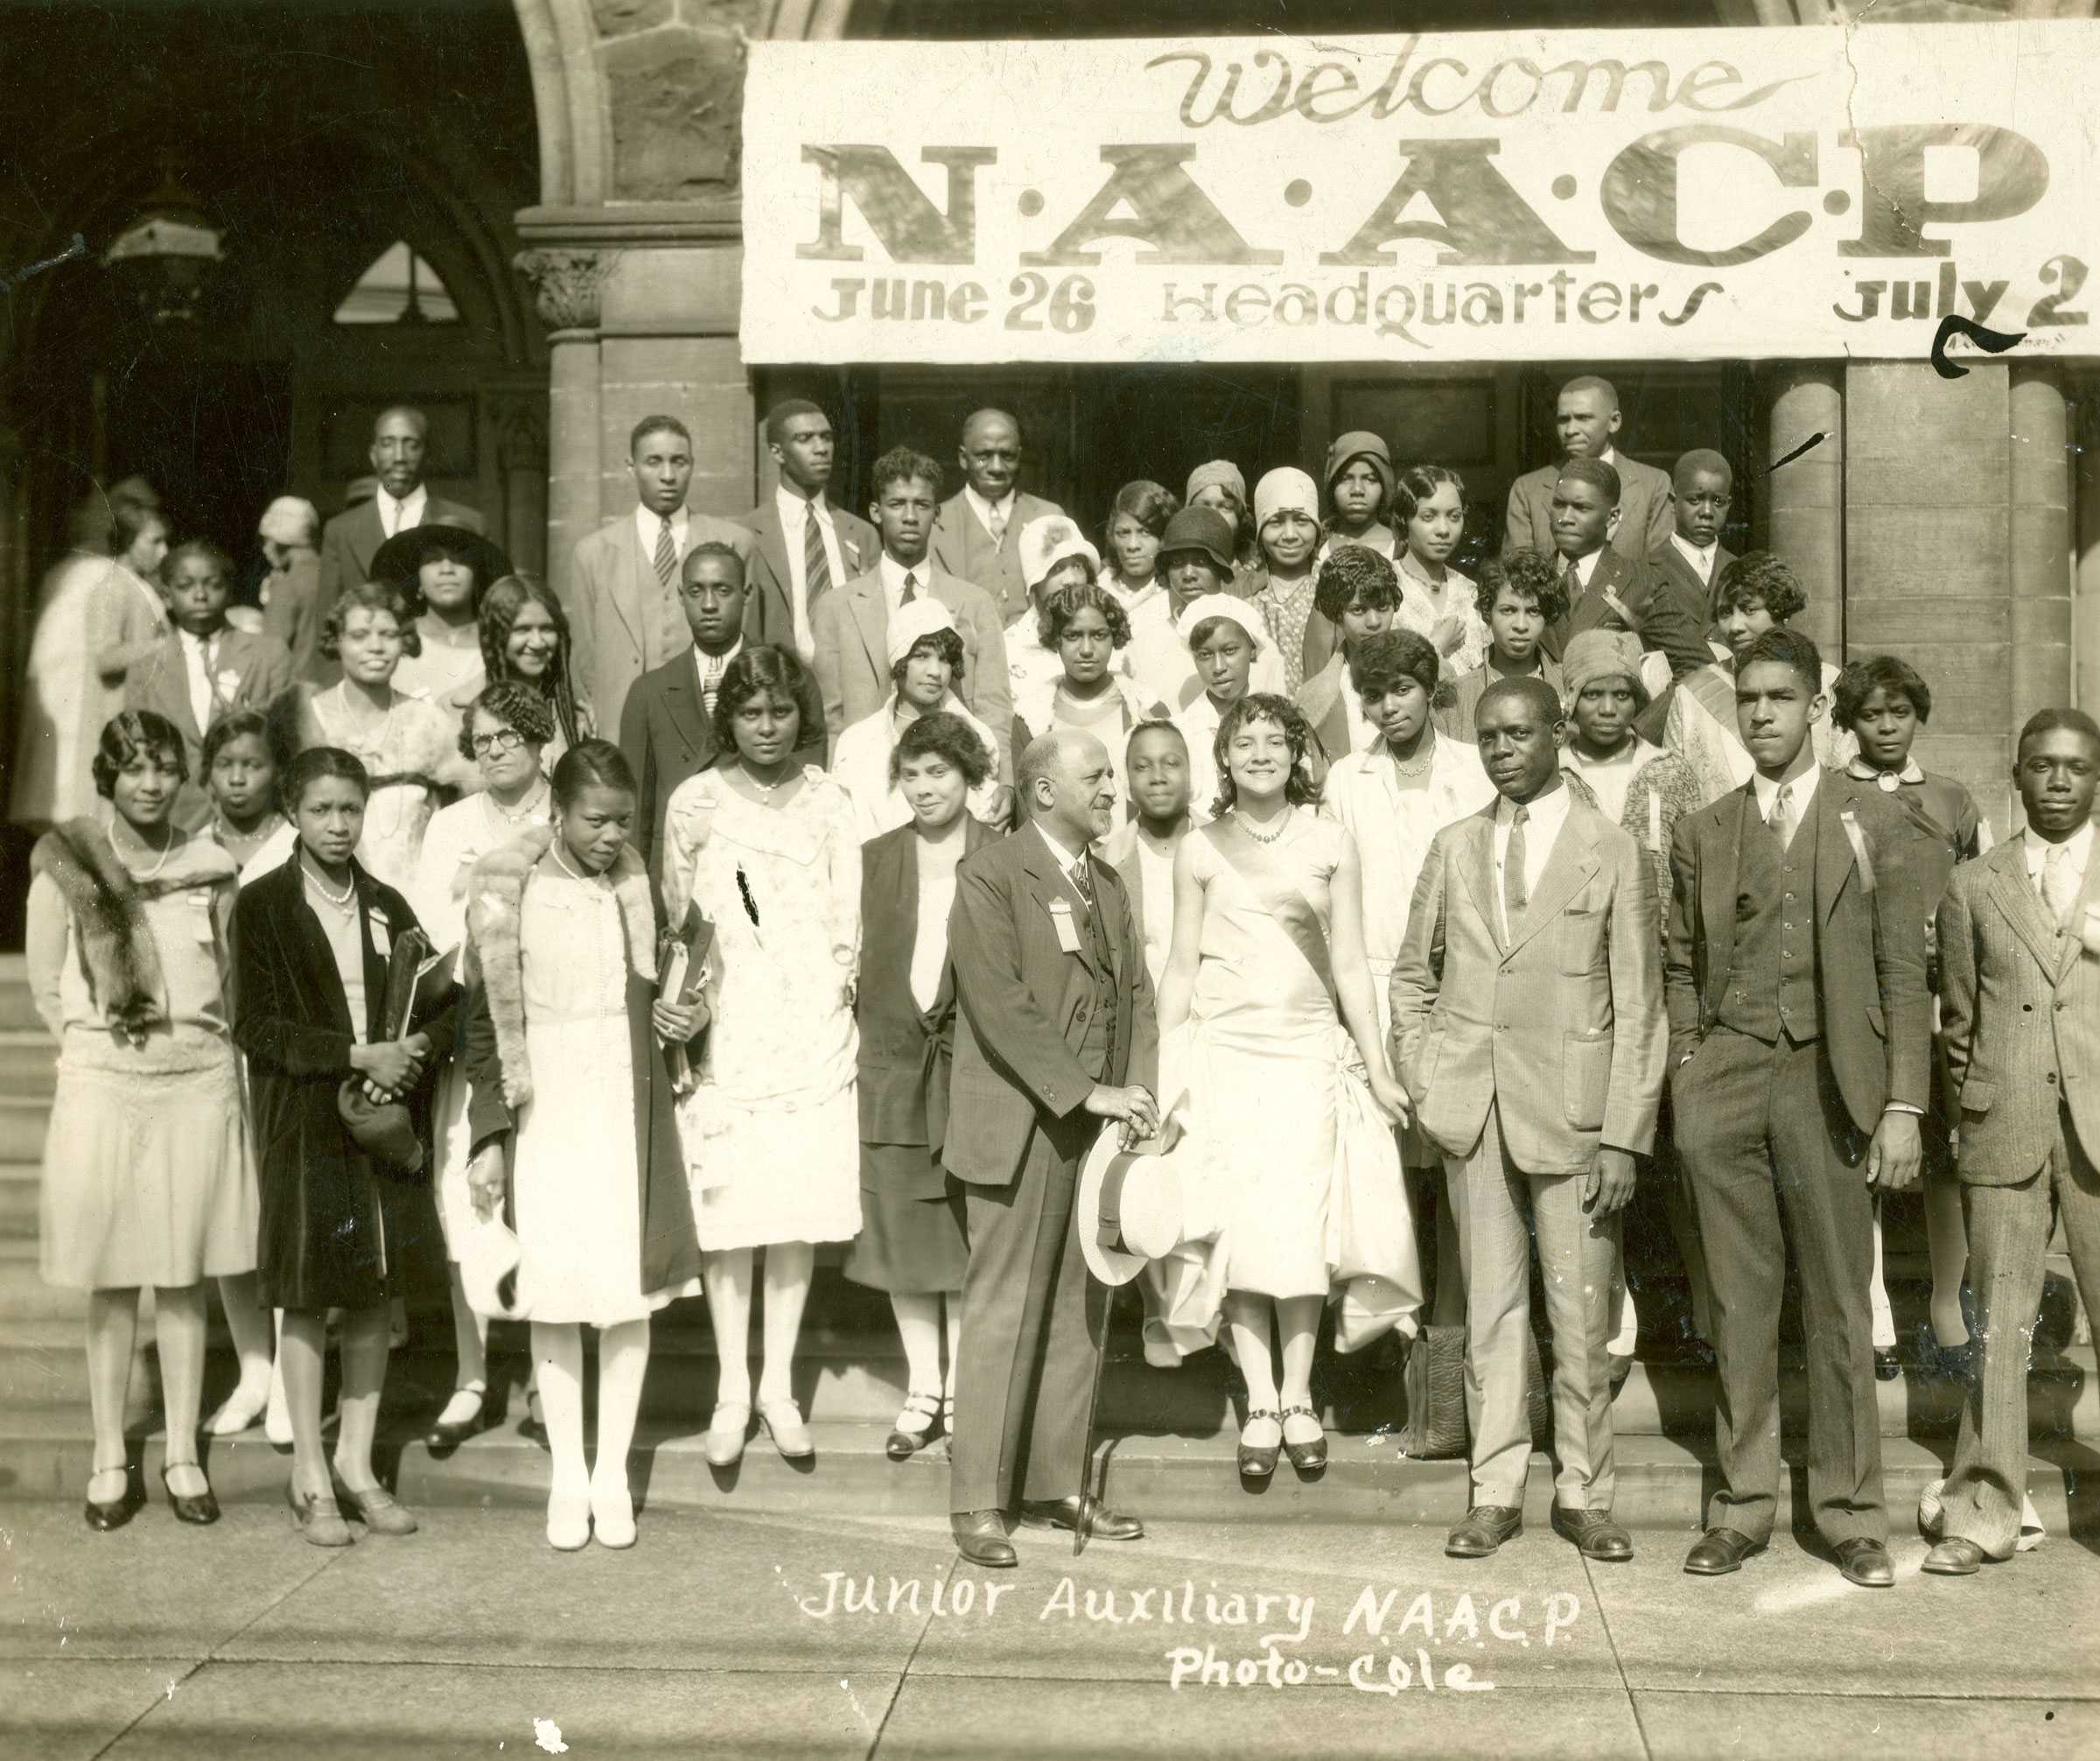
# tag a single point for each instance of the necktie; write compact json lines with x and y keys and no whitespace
{"x":997,"y":526}
{"x":2059,"y":892}
{"x":1783,"y":815}
{"x":1513,"y":897}
{"x":667,"y":553}
{"x":712,"y":668}
{"x":817,"y":566}
{"x":911,"y":588}
{"x":1083,"y":879}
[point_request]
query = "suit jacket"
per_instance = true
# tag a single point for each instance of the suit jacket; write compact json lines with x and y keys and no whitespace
{"x":616,"y":612}
{"x":1877,"y":1012}
{"x":291,"y":616}
{"x":1625,"y":595}
{"x":1696,"y":596}
{"x":904,"y":1051}
{"x":1561,"y":1027}
{"x":2020,"y":1010}
{"x":852,"y":666}
{"x":1021,"y":1018}
{"x":769,"y":611}
{"x":352,"y":537}
{"x":961,"y":546}
{"x":248,"y":672}
{"x":666,"y":736}
{"x":1646,"y":511}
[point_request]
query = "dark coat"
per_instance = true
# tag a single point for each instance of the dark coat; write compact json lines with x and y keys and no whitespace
{"x":904,"y":1051}
{"x":666,"y":736}
{"x":1625,"y":595}
{"x":322,"y":1241}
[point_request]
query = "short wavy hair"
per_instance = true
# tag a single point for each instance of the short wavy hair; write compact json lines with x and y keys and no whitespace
{"x":946,"y":644}
{"x":943,"y":735}
{"x":1353,"y":573}
{"x":238,"y":726}
{"x":316,"y":764}
{"x":1419,"y":483}
{"x":1862,"y":678}
{"x":592,"y":763}
{"x":900,"y":465}
{"x":515,"y":704}
{"x":1067,"y":603}
{"x":1787,"y":649}
{"x":131,"y":734}
{"x":205,"y":550}
{"x":369,"y":596}
{"x":1758,"y":578}
{"x":1379,"y":662}
{"x":1529,"y":573}
{"x":776,"y":671}
{"x":1149,"y":504}
{"x":1262,"y":706}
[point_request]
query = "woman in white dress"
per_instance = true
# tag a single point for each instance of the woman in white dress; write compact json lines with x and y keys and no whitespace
{"x":925,"y":658}
{"x":505,"y":733}
{"x":572,"y":1116}
{"x":1436,"y":601}
{"x":408,"y":745}
{"x":768,"y":851}
{"x":1268,"y":964}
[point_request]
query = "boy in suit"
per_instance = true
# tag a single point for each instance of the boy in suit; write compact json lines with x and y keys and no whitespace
{"x":203,"y":669}
{"x":1606,"y":590}
{"x":852,"y":625}
{"x":2019,"y":962}
{"x":1586,"y":420}
{"x":1691,"y":562}
{"x":807,"y":547}
{"x":1800,"y":1047}
{"x":1517,"y":598}
{"x":977,"y":536}
{"x":1527,"y":1011}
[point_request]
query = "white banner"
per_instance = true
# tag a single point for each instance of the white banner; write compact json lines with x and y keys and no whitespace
{"x":1591,"y":196}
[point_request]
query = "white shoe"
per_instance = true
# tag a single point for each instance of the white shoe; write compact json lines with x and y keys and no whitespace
{"x":242,"y":1408}
{"x":277,"y":1414}
{"x":568,"y":1520}
{"x":612,"y":1515}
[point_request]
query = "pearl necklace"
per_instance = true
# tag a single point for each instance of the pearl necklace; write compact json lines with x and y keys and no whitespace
{"x":524,"y":810}
{"x":320,"y":886}
{"x":1418,"y":766}
{"x":765,"y":790}
{"x":1283,"y":825}
{"x":369,"y":742}
{"x":166,"y":851}
{"x":562,"y":863}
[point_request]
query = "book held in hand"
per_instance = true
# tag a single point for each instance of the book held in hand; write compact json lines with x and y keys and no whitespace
{"x":683,"y":967}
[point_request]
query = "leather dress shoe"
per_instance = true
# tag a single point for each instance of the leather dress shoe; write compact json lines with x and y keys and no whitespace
{"x":1102,"y":1523}
{"x":981,"y":1537}
{"x":376,"y":1508}
{"x":1486,"y":1527}
{"x":1866,"y":1563}
{"x":1955,"y":1557}
{"x":1887,"y":1365}
{"x":104,"y":1514}
{"x":199,"y":1507}
{"x":1595,"y":1534}
{"x":1718,"y":1551}
{"x":446,"y":1434}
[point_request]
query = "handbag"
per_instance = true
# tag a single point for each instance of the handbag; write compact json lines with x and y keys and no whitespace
{"x":1435,"y":1382}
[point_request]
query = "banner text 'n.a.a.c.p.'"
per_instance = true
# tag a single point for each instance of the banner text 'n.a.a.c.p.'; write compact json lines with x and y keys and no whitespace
{"x":1674,"y":195}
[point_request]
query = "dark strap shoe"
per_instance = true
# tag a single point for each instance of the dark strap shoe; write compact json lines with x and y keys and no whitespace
{"x":1955,"y":1557}
{"x":1486,"y":1527}
{"x":190,"y":1507}
{"x":1102,"y":1523}
{"x":981,"y":1537}
{"x":1595,"y":1534}
{"x":1718,"y":1551}
{"x":1866,"y":1563}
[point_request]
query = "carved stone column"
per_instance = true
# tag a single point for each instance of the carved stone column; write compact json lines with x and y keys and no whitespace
{"x":521,"y":458}
{"x":2042,"y":553}
{"x":567,"y":286}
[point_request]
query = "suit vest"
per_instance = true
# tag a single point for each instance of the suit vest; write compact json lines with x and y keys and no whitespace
{"x":1097,"y":1043}
{"x":1773,"y":973}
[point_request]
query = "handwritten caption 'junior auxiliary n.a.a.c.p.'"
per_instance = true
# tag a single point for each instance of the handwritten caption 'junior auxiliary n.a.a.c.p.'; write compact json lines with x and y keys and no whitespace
{"x":1385,"y":1639}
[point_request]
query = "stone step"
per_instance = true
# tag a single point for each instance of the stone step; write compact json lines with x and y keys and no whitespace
{"x":21,"y":1192}
{"x":23,"y":1123}
{"x":17,"y":1012}
{"x":1662,"y":1482}
{"x":29,"y":1061}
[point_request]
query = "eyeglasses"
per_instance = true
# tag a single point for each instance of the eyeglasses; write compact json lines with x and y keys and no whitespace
{"x":503,"y":740}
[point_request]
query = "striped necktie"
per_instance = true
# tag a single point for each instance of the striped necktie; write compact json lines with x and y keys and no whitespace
{"x":816,"y":565}
{"x":667,"y":553}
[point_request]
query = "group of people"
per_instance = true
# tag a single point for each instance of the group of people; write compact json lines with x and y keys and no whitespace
{"x":1255,"y":908}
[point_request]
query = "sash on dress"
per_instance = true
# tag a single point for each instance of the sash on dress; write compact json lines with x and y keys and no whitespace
{"x":1287,"y":906}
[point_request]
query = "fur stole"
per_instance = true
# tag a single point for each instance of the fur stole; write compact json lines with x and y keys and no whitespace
{"x":495,"y":898}
{"x":118,"y":955}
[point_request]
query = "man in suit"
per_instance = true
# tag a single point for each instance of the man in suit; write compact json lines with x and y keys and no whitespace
{"x":400,"y":502}
{"x":852,"y":625}
{"x":667,"y":727}
{"x":1527,"y":1011}
{"x":203,"y":669}
{"x":807,"y":547}
{"x":1801,"y":1032}
{"x":1692,"y":561}
{"x":1607,"y":591}
{"x":2020,"y":991}
{"x":978,"y":536}
{"x":624,"y":612}
{"x":1587,"y":418}
{"x":1054,"y":1034}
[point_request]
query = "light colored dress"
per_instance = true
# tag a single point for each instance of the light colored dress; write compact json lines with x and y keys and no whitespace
{"x":412,"y":753}
{"x":458,"y":837}
{"x":574,"y":1167}
{"x":860,"y":764}
{"x":1420,"y":607}
{"x":445,"y":674}
{"x":1700,"y":728}
{"x":771,"y":1128}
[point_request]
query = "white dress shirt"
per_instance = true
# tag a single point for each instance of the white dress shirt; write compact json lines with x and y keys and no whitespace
{"x":2078,"y":852}
{"x":1067,"y":861}
{"x":984,"y":509}
{"x":892,"y":573}
{"x":403,"y":515}
{"x":197,"y":655}
{"x":1701,"y":561}
{"x":1582,"y":568}
{"x":1542,"y":828}
{"x":795,"y":510}
{"x":648,"y":524}
{"x":1802,"y":797}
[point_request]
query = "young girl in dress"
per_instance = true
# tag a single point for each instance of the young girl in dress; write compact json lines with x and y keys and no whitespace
{"x":525,"y":637}
{"x":573,"y":1115}
{"x":1436,"y":601}
{"x":1286,"y":514}
{"x":1360,"y":491}
{"x":765,"y":848}
{"x":911,"y":1242}
{"x":311,"y":942}
{"x":1268,"y":959}
{"x":147,"y":1178}
{"x":1136,"y":523}
{"x":1085,"y":627}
